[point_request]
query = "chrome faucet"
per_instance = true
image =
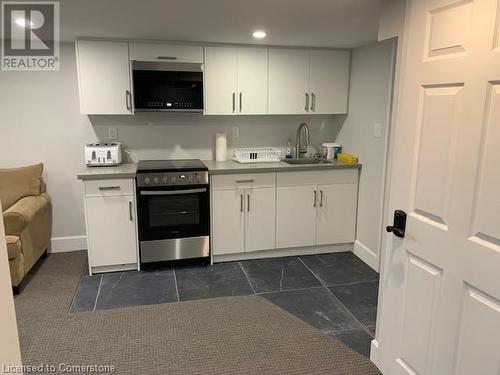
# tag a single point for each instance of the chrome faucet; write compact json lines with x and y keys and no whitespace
{"x":300,"y":149}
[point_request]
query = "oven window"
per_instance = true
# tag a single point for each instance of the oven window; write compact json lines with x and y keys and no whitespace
{"x":174,"y":210}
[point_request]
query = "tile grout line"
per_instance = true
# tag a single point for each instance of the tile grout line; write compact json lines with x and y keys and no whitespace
{"x":289,"y":290}
{"x":248,"y":279}
{"x":98,"y":291}
{"x":176,"y":288}
{"x":353,"y":283}
{"x":344,"y":306}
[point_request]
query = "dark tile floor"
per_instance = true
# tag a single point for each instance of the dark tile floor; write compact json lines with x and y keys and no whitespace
{"x":335,"y":293}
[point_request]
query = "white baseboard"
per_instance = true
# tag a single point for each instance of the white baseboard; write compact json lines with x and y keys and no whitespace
{"x":274,"y":253}
{"x":366,"y":255}
{"x":66,"y":244}
{"x":375,"y":353}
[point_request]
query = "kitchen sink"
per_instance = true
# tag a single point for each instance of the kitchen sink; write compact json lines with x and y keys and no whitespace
{"x":304,"y":161}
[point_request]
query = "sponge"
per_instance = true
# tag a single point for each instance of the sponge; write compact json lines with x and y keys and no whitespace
{"x":347,"y":158}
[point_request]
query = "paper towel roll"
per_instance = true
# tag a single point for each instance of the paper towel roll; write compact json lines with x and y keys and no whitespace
{"x":220,"y":147}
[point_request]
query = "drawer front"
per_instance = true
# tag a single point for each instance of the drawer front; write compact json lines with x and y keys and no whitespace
{"x":165,"y":52}
{"x":243,"y":181}
{"x":325,"y":177}
{"x":110,"y":187}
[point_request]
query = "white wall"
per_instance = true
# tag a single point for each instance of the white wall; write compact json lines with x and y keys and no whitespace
{"x":10,"y":353}
{"x":369,"y":103}
{"x":40,"y":121}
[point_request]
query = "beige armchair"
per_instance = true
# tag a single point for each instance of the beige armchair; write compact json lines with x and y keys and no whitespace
{"x":27,"y":214}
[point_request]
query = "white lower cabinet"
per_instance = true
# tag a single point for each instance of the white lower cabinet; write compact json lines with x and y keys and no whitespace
{"x":243,"y":213}
{"x":111,"y":225}
{"x":336,"y":215}
{"x":295,"y":216}
{"x":264,"y":211}
{"x":260,"y":219}
{"x":228,"y":222}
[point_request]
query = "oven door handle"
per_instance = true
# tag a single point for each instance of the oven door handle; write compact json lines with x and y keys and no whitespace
{"x":174,"y":192}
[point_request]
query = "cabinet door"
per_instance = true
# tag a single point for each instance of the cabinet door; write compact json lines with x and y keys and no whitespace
{"x":228,"y":221}
{"x":288,"y":81}
{"x":104,"y":78}
{"x":260,"y":223}
{"x":295,"y":216}
{"x":329,"y":81}
{"x":252,"y":81}
{"x":337,"y":213}
{"x":165,"y":52}
{"x":111,"y":230}
{"x":220,"y":80}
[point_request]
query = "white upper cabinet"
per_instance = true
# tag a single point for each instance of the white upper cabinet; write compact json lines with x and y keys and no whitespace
{"x":252,"y":81}
{"x":220,"y":80}
{"x":166,"y":52}
{"x":235,"y":80}
{"x":329,"y":81}
{"x":288,"y":81}
{"x":104,"y":77}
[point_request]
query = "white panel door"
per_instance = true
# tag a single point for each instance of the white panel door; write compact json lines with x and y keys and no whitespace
{"x":104,"y":78}
{"x":228,"y":221}
{"x":296,"y":216}
{"x":337,"y":206}
{"x":252,"y":81}
{"x":111,"y":230}
{"x":220,"y":80}
{"x":440,"y":293}
{"x":288,"y":81}
{"x":260,"y":221}
{"x":329,"y":81}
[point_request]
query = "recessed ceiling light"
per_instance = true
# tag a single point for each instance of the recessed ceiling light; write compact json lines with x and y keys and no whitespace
{"x":259,"y":34}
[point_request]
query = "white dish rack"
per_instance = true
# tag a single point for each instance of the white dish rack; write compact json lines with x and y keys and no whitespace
{"x":257,"y":155}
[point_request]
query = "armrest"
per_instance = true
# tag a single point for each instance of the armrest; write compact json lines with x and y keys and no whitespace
{"x":14,"y":222}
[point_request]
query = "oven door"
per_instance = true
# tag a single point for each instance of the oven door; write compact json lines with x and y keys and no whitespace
{"x":174,"y":224}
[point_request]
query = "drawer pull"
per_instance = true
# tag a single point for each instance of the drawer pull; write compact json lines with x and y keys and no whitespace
{"x":109,"y":187}
{"x":315,"y":198}
{"x":244,"y":181}
{"x":241,"y":202}
{"x":167,"y":58}
{"x":131,"y":216}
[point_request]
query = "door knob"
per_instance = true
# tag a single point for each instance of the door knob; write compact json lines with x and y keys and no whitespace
{"x":399,"y":225}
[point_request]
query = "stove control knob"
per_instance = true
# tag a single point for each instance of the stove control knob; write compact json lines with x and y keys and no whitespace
{"x":174,"y":179}
{"x":198,"y":178}
{"x":165,"y":180}
{"x":191,"y":178}
{"x":147,"y":180}
{"x":156,"y":180}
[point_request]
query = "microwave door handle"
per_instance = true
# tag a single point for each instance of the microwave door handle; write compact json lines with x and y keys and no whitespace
{"x":173,"y":192}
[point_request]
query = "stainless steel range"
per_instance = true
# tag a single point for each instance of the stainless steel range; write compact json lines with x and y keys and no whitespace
{"x":174,"y":211}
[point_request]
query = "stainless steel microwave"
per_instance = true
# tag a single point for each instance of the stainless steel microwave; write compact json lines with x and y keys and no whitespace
{"x":167,"y":86}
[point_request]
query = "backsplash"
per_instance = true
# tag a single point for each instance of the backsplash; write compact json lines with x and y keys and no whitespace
{"x":164,"y":136}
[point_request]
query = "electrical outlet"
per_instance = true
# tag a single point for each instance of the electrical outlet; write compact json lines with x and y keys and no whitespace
{"x":112,"y":134}
{"x":377,"y":130}
{"x":236,"y":132}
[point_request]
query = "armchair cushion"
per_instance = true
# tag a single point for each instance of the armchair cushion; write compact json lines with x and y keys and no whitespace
{"x":17,"y":183}
{"x":13,"y":246}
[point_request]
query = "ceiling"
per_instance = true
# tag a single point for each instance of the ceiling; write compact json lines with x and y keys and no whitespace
{"x":319,"y":23}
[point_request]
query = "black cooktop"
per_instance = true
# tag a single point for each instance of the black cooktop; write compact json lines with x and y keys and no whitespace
{"x":173,"y":165}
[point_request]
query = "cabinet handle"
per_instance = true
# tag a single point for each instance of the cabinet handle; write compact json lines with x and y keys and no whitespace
{"x":167,"y":58}
{"x":315,"y":198}
{"x":234,"y":102}
{"x":321,"y":198}
{"x":244,"y":181}
{"x":127,"y":100}
{"x":241,"y":202}
{"x":313,"y":102}
{"x":241,"y":101}
{"x":109,"y":187}
{"x":130,"y":211}
{"x":248,"y":202}
{"x":307,"y":103}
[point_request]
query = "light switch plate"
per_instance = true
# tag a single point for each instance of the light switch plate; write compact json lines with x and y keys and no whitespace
{"x":378,"y":131}
{"x":236,"y":132}
{"x":112,"y":134}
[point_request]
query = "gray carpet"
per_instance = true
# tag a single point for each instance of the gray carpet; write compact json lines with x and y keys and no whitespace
{"x":230,"y":335}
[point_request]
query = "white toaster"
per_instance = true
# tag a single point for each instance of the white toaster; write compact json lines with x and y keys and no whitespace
{"x":103,"y":154}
